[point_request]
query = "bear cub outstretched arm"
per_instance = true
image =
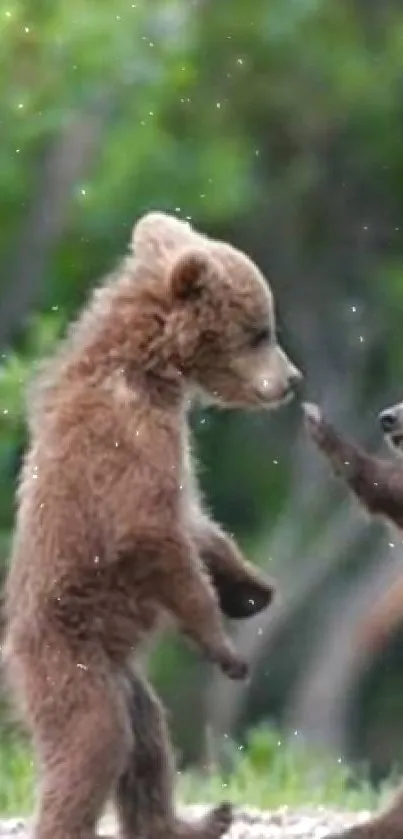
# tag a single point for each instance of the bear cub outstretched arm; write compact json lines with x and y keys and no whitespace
{"x":376,"y":482}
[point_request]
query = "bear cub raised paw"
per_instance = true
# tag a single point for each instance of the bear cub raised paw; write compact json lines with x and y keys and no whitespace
{"x":377,"y":482}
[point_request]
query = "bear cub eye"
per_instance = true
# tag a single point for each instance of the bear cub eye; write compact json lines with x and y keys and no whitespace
{"x":260,"y":337}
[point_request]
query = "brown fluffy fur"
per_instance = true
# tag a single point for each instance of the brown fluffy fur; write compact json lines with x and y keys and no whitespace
{"x":111,"y":538}
{"x":378,"y":484}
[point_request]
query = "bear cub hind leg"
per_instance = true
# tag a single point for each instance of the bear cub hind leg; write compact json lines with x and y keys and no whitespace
{"x":82,"y":736}
{"x":145,"y":791}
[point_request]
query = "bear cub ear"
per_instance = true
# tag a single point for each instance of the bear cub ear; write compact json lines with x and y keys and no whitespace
{"x":189,"y":273}
{"x":157,"y":230}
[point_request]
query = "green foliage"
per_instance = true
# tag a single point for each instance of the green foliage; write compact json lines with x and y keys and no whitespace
{"x":276,"y":124}
{"x":16,"y":369}
{"x":16,"y":778}
{"x":268,"y":772}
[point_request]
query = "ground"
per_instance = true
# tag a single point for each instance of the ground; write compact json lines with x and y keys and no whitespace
{"x":303,"y":823}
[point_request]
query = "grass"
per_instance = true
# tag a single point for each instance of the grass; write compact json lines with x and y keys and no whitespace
{"x":271,"y":772}
{"x":16,"y":778}
{"x":267,"y":773}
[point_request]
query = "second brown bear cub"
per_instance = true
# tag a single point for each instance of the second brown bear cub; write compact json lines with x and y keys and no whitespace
{"x":378,"y":484}
{"x":111,"y":537}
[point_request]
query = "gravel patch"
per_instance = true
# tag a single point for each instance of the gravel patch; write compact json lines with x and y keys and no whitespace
{"x":307,"y":823}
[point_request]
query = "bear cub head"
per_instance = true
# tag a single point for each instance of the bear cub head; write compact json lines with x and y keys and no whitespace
{"x":391,"y":420}
{"x":215,"y":315}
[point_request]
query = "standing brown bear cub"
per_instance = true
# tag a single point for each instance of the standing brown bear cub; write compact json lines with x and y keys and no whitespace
{"x":111,"y":537}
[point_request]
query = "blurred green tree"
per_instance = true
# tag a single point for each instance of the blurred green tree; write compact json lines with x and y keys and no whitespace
{"x":279,"y":126}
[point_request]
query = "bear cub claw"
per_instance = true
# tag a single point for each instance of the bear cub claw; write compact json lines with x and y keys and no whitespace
{"x":219,"y":820}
